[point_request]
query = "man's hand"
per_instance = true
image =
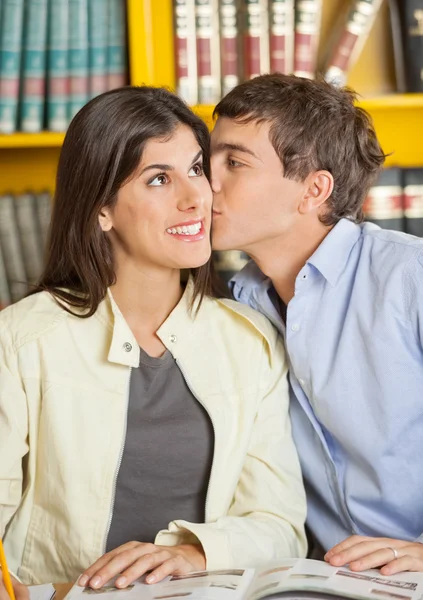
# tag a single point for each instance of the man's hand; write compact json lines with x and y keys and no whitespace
{"x":134,"y":559}
{"x":21,"y":591}
{"x":361,"y":553}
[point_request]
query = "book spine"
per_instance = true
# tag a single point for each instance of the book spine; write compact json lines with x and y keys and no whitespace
{"x":256,"y":38}
{"x":411,"y":23}
{"x":351,"y":39}
{"x":34,"y":66}
{"x":308,"y":14}
{"x":43,"y":203}
{"x":281,"y":36}
{"x":97,"y":28}
{"x":229,"y":49}
{"x":384,"y":204}
{"x":10,"y":63}
{"x":58,"y":69}
{"x":116,"y":45}
{"x":11,"y":248}
{"x":186,"y":50}
{"x":5,"y":298}
{"x":413,"y":199}
{"x":78,"y":56}
{"x":208,"y":52}
{"x":29,"y":236}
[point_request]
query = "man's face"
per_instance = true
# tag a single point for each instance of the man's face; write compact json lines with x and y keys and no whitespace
{"x":253,"y":202}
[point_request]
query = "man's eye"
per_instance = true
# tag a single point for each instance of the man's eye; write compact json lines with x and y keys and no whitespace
{"x":197,"y":170}
{"x":234,"y":163}
{"x":158,"y":180}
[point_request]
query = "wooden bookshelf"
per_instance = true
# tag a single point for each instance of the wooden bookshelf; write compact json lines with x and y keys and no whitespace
{"x":29,"y":160}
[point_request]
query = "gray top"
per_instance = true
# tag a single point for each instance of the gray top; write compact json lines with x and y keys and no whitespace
{"x":167,"y":456}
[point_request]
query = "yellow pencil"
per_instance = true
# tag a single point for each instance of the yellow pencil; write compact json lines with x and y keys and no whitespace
{"x":5,"y":573}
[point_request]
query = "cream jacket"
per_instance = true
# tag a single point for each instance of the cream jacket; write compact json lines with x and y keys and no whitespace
{"x":64,"y":384}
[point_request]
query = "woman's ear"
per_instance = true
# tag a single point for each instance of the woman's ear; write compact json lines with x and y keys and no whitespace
{"x":105,"y":220}
{"x":319,"y":186}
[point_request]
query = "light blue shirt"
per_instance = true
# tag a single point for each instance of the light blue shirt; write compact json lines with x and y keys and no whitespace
{"x":353,"y":334}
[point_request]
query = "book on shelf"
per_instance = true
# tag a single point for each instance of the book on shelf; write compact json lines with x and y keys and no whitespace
{"x":407,"y":31}
{"x":116,"y":46}
{"x":29,"y":236}
{"x":98,"y":46}
{"x":186,"y":50}
{"x":57,"y":65}
{"x":208,"y":51}
{"x":384,"y":204}
{"x":290,"y":578}
{"x":11,"y":249}
{"x":281,"y":36}
{"x":33,"y":75}
{"x":413,"y":201}
{"x":5,"y":298}
{"x":229,"y":262}
{"x":256,"y":56}
{"x":230,"y":47}
{"x":308,"y":15}
{"x":10,"y":62}
{"x":351,"y":35}
{"x":78,"y":56}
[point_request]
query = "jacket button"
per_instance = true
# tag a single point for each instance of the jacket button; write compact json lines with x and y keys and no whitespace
{"x":173,"y":338}
{"x":127,"y":347}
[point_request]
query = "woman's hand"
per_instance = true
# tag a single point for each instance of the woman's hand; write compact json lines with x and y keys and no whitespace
{"x":360,"y":553}
{"x":21,"y":591}
{"x":134,"y":559}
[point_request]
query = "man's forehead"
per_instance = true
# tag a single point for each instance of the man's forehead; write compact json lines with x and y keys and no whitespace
{"x":229,"y":134}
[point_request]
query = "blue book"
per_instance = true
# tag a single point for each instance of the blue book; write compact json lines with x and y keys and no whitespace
{"x":97,"y":27}
{"x":78,"y":56}
{"x":34,"y":66}
{"x":10,"y":63}
{"x":117,"y":72}
{"x":57,"y":66}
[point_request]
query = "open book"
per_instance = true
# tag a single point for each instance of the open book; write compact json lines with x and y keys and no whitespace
{"x":293,"y":578}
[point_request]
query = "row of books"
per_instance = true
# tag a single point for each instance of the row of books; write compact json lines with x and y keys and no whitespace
{"x":394,"y":202}
{"x":55,"y":55}
{"x":219,"y":43}
{"x":24,"y":223}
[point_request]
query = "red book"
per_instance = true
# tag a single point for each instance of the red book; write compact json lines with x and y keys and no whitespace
{"x":308,"y":14}
{"x":229,"y":45}
{"x":281,"y":36}
{"x":208,"y":51}
{"x":186,"y":50}
{"x":256,"y":38}
{"x":352,"y":36}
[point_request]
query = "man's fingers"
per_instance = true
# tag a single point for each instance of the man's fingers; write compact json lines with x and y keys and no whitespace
{"x":345,"y":544}
{"x":176,"y":564}
{"x":355,"y":552}
{"x":403,"y":563}
{"x":371,"y":560}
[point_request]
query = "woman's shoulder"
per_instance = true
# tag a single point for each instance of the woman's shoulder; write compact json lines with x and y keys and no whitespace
{"x":29,"y":318}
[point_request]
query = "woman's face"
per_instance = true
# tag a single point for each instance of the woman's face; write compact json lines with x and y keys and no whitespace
{"x":162,"y":216}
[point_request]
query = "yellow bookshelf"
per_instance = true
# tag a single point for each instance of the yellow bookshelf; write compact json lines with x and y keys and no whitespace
{"x":29,"y":160}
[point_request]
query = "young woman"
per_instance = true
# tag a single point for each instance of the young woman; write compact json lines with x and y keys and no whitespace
{"x":141,"y":421}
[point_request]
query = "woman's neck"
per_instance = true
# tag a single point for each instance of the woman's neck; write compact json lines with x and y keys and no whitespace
{"x":145,"y":300}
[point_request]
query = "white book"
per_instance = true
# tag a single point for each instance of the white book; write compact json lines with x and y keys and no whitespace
{"x":290,"y":578}
{"x":11,"y":248}
{"x":30,"y":236}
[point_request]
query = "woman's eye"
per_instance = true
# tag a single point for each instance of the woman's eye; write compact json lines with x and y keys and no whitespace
{"x":196,"y":170}
{"x":158,"y":180}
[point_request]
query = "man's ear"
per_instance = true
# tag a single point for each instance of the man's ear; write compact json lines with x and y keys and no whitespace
{"x":105,"y":220}
{"x":317,"y":189}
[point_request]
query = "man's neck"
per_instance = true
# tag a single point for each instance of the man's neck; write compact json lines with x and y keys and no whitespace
{"x":282,"y":258}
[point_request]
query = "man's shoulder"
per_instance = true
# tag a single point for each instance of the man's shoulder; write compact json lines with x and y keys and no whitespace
{"x":246,"y":280}
{"x":29,"y":319}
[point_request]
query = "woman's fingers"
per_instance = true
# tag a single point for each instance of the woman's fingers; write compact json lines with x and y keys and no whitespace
{"x":177,"y":564}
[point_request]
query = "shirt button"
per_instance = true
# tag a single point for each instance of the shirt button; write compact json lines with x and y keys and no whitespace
{"x":295,"y":327}
{"x":304,"y":276}
{"x":173,"y":338}
{"x":127,"y":347}
{"x":302,"y":382}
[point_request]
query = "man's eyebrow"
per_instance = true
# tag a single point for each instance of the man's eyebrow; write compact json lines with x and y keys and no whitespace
{"x":222,"y":146}
{"x":163,"y":167}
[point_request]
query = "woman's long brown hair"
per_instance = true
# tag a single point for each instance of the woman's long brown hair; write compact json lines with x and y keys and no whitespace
{"x":101,"y":151}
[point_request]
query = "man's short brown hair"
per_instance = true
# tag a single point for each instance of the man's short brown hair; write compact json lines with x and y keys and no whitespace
{"x":313,"y":126}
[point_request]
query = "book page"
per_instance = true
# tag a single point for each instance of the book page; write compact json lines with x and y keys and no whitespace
{"x":41,"y":592}
{"x":303,"y":578}
{"x":231,"y":584}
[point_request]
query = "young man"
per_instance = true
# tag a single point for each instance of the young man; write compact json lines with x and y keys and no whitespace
{"x":292,"y":161}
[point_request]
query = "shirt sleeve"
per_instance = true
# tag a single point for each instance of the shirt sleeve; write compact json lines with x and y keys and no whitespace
{"x":265,"y":521}
{"x":13,"y":434}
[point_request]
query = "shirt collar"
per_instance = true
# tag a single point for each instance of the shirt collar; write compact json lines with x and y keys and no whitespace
{"x":332,"y":255}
